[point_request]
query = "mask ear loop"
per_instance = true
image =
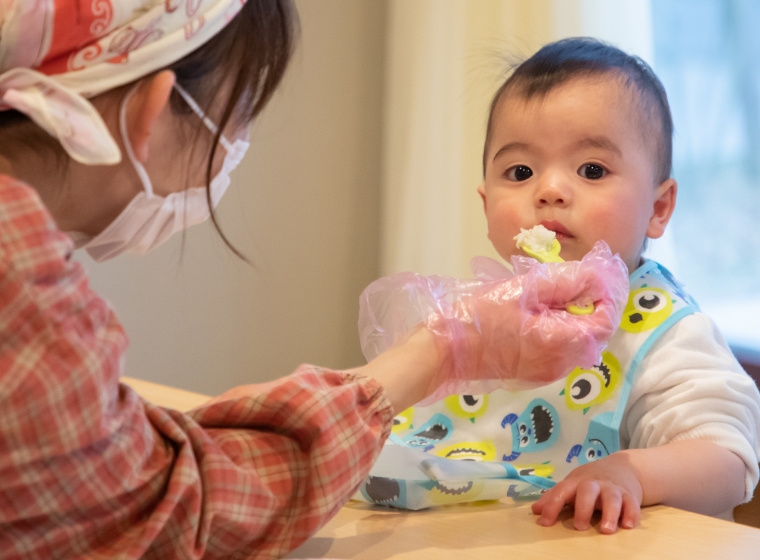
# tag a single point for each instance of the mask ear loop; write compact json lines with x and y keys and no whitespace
{"x":210,"y":125}
{"x":206,"y":120}
{"x":141,"y":172}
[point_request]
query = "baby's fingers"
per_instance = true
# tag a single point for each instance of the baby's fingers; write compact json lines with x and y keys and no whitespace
{"x":618,"y":507}
{"x":551,"y":504}
{"x":631,"y":512}
{"x":612,"y":505}
{"x":585,"y":503}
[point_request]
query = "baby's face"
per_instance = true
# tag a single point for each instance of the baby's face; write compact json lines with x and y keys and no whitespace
{"x":577,"y":162}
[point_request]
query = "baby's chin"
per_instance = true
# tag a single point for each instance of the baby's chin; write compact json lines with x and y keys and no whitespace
{"x":573,"y":254}
{"x":508,"y":254}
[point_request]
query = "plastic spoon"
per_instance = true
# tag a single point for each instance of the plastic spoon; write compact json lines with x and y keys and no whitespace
{"x":552,"y":255}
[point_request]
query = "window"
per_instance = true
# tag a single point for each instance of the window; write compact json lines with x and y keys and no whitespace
{"x":707,"y":53}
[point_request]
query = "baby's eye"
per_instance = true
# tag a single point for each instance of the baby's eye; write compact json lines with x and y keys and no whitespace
{"x":519,"y":173}
{"x":592,"y":171}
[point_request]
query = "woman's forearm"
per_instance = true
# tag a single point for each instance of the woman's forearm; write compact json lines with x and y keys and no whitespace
{"x":408,"y":371}
{"x":694,"y":475}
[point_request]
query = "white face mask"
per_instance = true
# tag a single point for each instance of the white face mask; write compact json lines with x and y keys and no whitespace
{"x":149,"y":219}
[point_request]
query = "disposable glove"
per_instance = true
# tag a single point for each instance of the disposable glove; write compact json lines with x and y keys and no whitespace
{"x":503,"y":329}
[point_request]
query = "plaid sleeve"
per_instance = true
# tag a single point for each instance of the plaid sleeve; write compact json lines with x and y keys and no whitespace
{"x":89,"y":470}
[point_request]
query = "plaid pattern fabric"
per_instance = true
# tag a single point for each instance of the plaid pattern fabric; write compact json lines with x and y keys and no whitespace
{"x":89,"y":470}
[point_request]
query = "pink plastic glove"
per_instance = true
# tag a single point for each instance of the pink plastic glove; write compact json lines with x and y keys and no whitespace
{"x":502,"y":329}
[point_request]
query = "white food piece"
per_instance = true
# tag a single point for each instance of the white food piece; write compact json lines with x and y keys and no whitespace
{"x":537,"y":239}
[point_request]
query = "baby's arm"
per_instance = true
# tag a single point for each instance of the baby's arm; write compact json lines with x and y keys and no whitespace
{"x":619,"y":484}
{"x":691,"y":432}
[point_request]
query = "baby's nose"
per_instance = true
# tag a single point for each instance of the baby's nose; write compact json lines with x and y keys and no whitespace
{"x":552,"y":189}
{"x":552,"y":199}
{"x":552,"y":195}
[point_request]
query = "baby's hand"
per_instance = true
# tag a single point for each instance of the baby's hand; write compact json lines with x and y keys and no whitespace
{"x":610,"y":485}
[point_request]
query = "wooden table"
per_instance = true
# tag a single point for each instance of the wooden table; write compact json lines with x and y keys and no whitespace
{"x":500,"y":529}
{"x":170,"y":397}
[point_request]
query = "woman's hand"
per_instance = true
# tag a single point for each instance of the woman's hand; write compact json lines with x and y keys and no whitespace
{"x":509,"y":331}
{"x":610,"y":485}
{"x":546,"y":341}
{"x":516,"y":332}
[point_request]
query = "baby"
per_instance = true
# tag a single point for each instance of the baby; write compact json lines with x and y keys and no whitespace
{"x":579,"y":140}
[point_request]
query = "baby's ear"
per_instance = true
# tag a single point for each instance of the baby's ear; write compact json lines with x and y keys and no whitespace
{"x":482,"y":193}
{"x":662,"y":209}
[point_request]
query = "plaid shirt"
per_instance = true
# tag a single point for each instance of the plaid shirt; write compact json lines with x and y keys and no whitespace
{"x":89,"y":470}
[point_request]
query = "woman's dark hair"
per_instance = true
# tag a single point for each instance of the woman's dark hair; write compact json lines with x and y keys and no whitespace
{"x":248,"y":58}
{"x":584,"y":57}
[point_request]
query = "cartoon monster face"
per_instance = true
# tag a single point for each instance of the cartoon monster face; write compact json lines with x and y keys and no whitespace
{"x":536,"y":429}
{"x":455,"y":492}
{"x":435,"y":430}
{"x":544,"y":469}
{"x":469,"y":451}
{"x":403,"y":421}
{"x":467,"y":406}
{"x":593,"y":450}
{"x":384,"y":491}
{"x":602,"y":440}
{"x":531,"y":493}
{"x":647,"y":308}
{"x":588,"y":387}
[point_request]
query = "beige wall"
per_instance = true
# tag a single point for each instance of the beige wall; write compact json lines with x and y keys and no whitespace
{"x":304,"y":206}
{"x":385,"y":104}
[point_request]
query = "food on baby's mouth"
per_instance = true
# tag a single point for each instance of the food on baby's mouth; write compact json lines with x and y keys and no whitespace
{"x":538,"y":239}
{"x":541,"y":244}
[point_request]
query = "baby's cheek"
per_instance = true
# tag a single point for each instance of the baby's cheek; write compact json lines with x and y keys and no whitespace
{"x":501,"y":236}
{"x":504,"y":243}
{"x":622,"y":238}
{"x":624,"y":245}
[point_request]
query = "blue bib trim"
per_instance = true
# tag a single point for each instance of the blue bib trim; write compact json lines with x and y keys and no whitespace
{"x":691,"y":307}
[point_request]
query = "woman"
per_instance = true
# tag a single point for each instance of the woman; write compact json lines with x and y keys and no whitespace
{"x":119,"y":125}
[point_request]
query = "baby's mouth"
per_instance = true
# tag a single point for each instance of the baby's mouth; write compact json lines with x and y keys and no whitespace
{"x":561,"y":231}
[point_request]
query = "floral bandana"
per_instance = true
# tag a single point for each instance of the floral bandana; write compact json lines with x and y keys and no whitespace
{"x":54,"y":54}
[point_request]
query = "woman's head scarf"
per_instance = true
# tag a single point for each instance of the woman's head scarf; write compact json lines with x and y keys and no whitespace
{"x":55,"y":54}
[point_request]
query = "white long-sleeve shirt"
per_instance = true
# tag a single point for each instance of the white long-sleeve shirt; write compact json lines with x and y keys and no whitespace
{"x":690,"y":386}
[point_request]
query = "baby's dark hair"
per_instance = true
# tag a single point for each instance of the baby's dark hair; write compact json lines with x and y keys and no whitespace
{"x":583,"y":57}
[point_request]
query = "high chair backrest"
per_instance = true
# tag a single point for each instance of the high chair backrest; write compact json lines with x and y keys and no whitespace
{"x":749,"y":514}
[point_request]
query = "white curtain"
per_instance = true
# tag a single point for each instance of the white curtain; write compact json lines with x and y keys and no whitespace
{"x":445,"y":59}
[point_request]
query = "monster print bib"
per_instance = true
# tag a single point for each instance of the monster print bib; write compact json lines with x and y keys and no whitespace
{"x":518,"y":444}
